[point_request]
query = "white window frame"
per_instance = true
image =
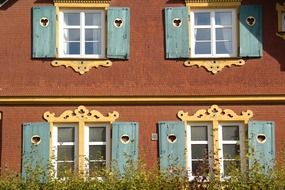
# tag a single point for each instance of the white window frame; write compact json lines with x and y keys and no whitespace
{"x":55,"y":143}
{"x":82,"y":34}
{"x":283,"y":21}
{"x":189,"y":142}
{"x":213,"y":37}
{"x":87,"y":143}
{"x":240,"y":142}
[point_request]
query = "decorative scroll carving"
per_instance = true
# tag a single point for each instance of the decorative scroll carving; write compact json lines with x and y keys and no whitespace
{"x":82,"y":66}
{"x":214,"y":66}
{"x":81,"y":114}
{"x":215,"y":113}
{"x":211,"y":1}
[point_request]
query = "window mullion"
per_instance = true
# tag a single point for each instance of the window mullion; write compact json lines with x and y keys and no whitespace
{"x":213,"y":33}
{"x":82,"y":34}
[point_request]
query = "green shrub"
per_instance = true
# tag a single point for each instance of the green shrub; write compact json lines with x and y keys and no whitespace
{"x":147,"y":179}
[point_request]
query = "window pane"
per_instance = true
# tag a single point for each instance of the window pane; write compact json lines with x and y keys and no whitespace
{"x":199,"y":133}
{"x":202,"y":48}
{"x":231,"y":151}
{"x":97,"y":152}
{"x":93,"y":48}
{"x":65,"y":134}
{"x":97,"y":134}
{"x":65,"y":152}
{"x":64,"y":168}
{"x":72,"y":19}
{"x":96,"y":167}
{"x":200,"y":168}
{"x":71,"y":34}
{"x":223,"y":18}
{"x":224,"y":47}
{"x":199,"y":151}
{"x":72,"y":48}
{"x":202,"y":18}
{"x":230,"y":166}
{"x":202,"y":34}
{"x":230,"y":132}
{"x":93,"y":19}
{"x":224,"y":34}
{"x":93,"y":35}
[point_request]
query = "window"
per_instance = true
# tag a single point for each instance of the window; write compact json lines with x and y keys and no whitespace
{"x":201,"y":148}
{"x":215,"y":139}
{"x":66,"y":143}
{"x":82,"y":34}
{"x":199,"y":141}
{"x":97,"y":148}
{"x":213,"y":33}
{"x":232,"y":147}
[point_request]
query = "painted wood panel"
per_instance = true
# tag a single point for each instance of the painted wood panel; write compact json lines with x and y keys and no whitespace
{"x":176,"y":32}
{"x":36,"y":150}
{"x":251,"y":31}
{"x":118,"y":40}
{"x":261,"y":142}
{"x":171,"y":145}
{"x":44,"y":32}
{"x":125,"y":138}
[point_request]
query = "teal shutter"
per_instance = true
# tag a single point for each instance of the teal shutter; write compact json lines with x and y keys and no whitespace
{"x":261,"y":142}
{"x":177,"y":37}
{"x":171,"y":153}
{"x":35,"y":158}
{"x":44,"y":32}
{"x":118,"y":39}
{"x":251,"y":35}
{"x":125,"y":137}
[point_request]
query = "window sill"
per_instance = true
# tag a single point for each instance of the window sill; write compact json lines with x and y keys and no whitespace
{"x":214,"y":65}
{"x":81,"y":66}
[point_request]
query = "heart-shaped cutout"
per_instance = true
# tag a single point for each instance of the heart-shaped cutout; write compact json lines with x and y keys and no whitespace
{"x":250,"y":20}
{"x":36,"y":139}
{"x":172,"y":138}
{"x":177,"y":22}
{"x":118,"y":22}
{"x":44,"y":22}
{"x":125,"y":139}
{"x":261,"y":138}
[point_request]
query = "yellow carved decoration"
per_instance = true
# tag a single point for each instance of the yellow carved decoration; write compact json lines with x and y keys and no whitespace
{"x":81,"y":114}
{"x":214,"y":115}
{"x":81,"y":66}
{"x":280,"y":10}
{"x":214,"y":66}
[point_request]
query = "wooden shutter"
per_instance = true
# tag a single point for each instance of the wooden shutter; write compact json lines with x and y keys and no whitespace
{"x":44,"y":32}
{"x":172,"y":154}
{"x":125,"y":137}
{"x":176,"y":37}
{"x":251,"y":35}
{"x":118,"y":39}
{"x":261,"y":143}
{"x":36,"y":150}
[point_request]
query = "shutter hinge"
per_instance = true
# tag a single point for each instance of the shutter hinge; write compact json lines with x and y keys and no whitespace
{"x":188,"y":17}
{"x":56,"y":49}
{"x":56,"y":17}
{"x":49,"y":134}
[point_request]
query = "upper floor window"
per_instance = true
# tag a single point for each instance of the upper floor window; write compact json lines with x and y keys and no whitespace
{"x":81,"y":34}
{"x":213,"y":33}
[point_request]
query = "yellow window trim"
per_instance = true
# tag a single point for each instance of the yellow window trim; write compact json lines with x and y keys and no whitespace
{"x":80,"y":66}
{"x":214,"y":115}
{"x":81,"y":115}
{"x":280,"y":9}
{"x":212,"y":3}
{"x":214,"y":65}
